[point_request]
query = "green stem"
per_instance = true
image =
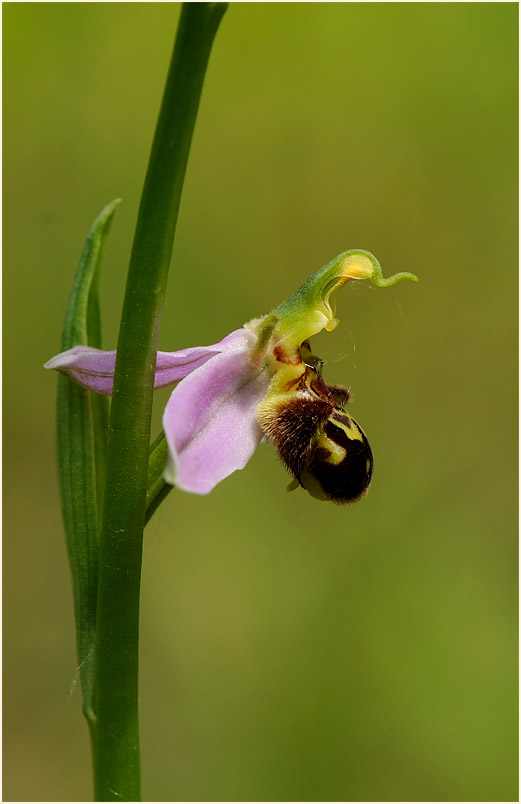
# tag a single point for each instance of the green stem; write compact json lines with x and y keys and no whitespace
{"x":157,"y":487}
{"x":156,"y":502}
{"x":115,"y":729}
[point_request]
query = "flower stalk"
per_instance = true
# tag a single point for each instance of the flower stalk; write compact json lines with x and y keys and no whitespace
{"x":157,"y":487}
{"x":114,"y":725}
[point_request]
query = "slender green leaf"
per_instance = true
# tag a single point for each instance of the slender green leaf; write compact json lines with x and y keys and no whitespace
{"x":81,"y":430}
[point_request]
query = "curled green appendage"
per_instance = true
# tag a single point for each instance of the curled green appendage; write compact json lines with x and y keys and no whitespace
{"x":311,"y":308}
{"x":379,"y":280}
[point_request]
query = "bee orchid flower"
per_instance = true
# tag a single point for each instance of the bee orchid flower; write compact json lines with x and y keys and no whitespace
{"x":259,"y":381}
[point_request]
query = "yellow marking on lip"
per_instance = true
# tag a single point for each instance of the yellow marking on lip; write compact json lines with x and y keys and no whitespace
{"x":337,"y":453}
{"x":353,"y":432}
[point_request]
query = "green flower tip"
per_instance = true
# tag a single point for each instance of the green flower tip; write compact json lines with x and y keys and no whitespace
{"x":311,"y":309}
{"x":362,"y":264}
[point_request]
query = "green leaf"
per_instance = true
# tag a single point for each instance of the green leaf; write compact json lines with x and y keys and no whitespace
{"x":81,"y":434}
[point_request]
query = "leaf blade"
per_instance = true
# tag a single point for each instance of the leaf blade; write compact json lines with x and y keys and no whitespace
{"x":81,"y":440}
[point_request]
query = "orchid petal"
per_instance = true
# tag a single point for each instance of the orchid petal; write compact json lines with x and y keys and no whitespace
{"x":210,"y":422}
{"x":94,"y":368}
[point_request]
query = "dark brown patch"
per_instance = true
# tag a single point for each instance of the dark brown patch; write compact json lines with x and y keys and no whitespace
{"x":293,"y":428}
{"x":282,"y":356}
{"x":321,"y":454}
{"x":292,"y":383}
{"x":318,"y":385}
{"x":342,"y":418}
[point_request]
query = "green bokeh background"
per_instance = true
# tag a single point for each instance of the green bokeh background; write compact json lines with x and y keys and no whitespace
{"x":291,"y":649}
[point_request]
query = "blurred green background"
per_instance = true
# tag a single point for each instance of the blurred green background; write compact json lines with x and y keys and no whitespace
{"x":291,"y":649}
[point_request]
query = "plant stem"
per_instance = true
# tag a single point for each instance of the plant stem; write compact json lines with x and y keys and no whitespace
{"x":157,"y":487}
{"x":115,"y":729}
